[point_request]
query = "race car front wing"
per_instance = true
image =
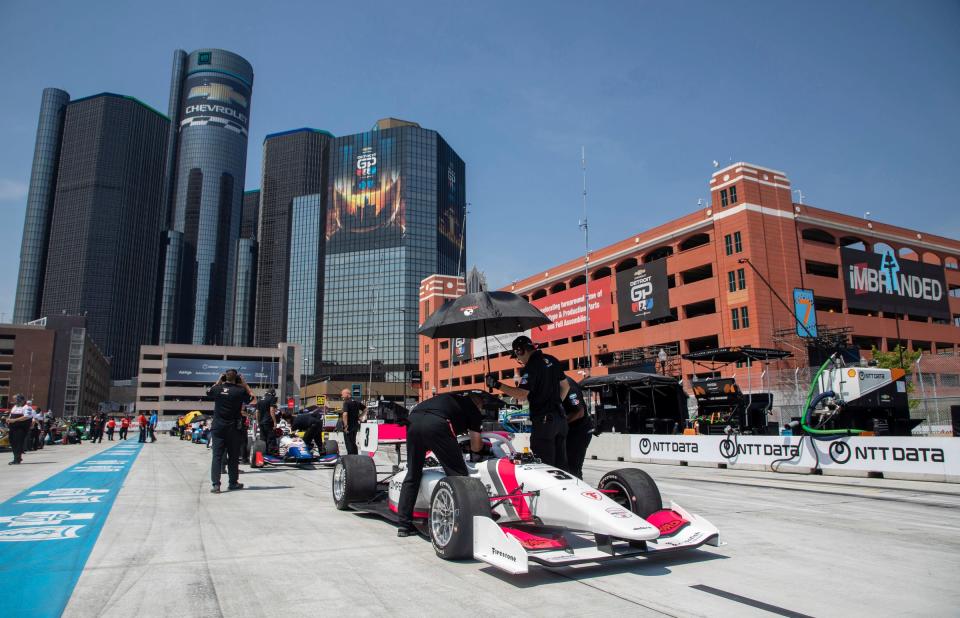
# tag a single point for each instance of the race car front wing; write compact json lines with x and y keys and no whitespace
{"x":501,"y":549}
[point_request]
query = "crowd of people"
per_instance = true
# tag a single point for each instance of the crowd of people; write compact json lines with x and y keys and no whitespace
{"x":29,"y":428}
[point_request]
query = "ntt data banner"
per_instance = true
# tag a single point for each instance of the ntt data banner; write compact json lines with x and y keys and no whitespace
{"x":568,"y":313}
{"x":938,"y":456}
{"x":879,"y":281}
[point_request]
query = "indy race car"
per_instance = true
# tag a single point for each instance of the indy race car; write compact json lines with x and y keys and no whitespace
{"x":292,"y":451}
{"x":512,"y":510}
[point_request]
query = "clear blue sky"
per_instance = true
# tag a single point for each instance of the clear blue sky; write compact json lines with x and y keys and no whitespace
{"x":856,"y":100}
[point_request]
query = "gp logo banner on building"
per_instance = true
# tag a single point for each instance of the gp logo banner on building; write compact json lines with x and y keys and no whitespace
{"x":48,"y":531}
{"x":568,"y":312}
{"x":881,"y":281}
{"x":935,"y":456}
{"x":642,"y":293}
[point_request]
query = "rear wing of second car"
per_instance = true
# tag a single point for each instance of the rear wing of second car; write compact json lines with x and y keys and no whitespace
{"x":372,"y":435}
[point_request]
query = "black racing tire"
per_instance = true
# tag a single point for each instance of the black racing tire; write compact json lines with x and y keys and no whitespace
{"x":259,"y":446}
{"x":454,"y":503}
{"x":635,"y":490}
{"x":330,"y":447}
{"x":354,"y":480}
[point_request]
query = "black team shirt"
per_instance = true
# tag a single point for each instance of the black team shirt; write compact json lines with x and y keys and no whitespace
{"x":228,"y":401}
{"x":460,"y":411}
{"x":541,"y":379}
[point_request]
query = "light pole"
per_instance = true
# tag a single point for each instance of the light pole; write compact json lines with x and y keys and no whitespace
{"x":371,"y":349}
{"x":662,"y":357}
{"x":303,"y":381}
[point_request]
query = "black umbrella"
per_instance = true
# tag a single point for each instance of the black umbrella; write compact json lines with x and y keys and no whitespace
{"x":480,"y":314}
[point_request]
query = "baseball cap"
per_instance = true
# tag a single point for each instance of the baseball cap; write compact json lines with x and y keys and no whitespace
{"x":521,"y":343}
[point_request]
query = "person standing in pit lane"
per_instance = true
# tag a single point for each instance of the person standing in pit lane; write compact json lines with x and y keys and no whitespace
{"x":543,"y":384}
{"x":33,"y":436}
{"x":111,"y":426}
{"x":350,"y":417}
{"x":124,"y":427}
{"x":142,"y":424}
{"x":434,"y":426}
{"x":151,"y":427}
{"x":229,"y":395}
{"x":18,"y":422}
{"x":579,"y":428}
{"x":267,"y":420}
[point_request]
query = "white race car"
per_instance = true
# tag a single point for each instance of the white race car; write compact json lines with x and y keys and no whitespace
{"x":512,"y":510}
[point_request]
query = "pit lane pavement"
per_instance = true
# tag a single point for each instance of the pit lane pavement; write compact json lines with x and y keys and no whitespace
{"x":794,"y":546}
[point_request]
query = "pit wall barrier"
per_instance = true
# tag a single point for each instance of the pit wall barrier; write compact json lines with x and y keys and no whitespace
{"x":907,"y":458}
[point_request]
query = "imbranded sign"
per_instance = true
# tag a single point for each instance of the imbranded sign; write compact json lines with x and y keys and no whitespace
{"x":881,"y":282}
{"x":907,"y":455}
{"x":568,"y":313}
{"x":216,"y":100}
{"x":642,"y":293}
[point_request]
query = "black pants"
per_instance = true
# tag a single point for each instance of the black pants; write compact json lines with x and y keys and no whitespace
{"x":110,"y":434}
{"x":226,"y":440}
{"x":123,"y":433}
{"x":314,"y":434}
{"x":548,"y":440}
{"x":350,"y":438}
{"x":143,"y":435}
{"x":153,"y":437}
{"x":427,"y":432}
{"x":578,"y":439}
{"x":35,"y":438}
{"x":18,"y":439}
{"x":269,"y":436}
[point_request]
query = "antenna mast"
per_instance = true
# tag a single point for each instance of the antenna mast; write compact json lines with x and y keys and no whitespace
{"x":586,"y":261}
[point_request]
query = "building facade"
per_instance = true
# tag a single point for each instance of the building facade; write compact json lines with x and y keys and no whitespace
{"x":210,"y":108}
{"x":725,"y":276}
{"x":294,"y":165}
{"x":97,"y":216}
{"x":43,"y":185}
{"x":395,"y":215}
{"x":304,"y":295}
{"x":54,"y":362}
{"x":174,"y":378}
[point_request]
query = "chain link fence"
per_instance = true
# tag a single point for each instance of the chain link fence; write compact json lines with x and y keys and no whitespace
{"x":933,"y":387}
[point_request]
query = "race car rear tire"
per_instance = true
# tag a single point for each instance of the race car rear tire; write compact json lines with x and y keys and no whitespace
{"x":260,"y":447}
{"x":454,"y":503}
{"x":330,"y":447}
{"x":354,"y":480}
{"x":635,"y":490}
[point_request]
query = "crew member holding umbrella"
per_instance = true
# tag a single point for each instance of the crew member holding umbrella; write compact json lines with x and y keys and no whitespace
{"x":544,"y":385}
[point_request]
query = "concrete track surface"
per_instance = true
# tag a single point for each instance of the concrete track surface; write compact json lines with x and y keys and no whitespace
{"x":794,"y":546}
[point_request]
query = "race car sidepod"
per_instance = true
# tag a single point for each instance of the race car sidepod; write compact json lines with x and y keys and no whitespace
{"x":511,"y":549}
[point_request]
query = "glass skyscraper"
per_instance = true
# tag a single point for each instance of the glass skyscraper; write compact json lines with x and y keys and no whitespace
{"x":294,"y":165}
{"x":305,"y":288}
{"x":102,"y":257}
{"x":246,"y":285}
{"x":210,"y":108}
{"x":43,"y":185}
{"x":396,"y":205}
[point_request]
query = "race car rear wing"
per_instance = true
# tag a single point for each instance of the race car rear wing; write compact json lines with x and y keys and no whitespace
{"x":372,"y":435}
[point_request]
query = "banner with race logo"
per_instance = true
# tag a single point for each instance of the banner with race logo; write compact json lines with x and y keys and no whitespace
{"x":642,"y":293}
{"x":907,"y":455}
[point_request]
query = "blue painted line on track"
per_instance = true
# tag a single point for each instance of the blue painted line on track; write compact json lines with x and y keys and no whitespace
{"x":48,"y":531}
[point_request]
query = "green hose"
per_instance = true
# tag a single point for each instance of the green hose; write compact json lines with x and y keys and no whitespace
{"x":806,"y":409}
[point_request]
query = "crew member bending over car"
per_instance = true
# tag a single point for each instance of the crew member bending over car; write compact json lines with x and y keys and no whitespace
{"x":311,"y":424}
{"x":544,"y":385}
{"x":434,"y":426}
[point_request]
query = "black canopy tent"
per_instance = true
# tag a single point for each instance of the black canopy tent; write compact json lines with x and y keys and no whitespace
{"x":639,"y":402}
{"x":721,"y":400}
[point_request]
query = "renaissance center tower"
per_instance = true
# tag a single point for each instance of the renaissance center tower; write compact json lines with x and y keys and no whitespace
{"x":206,"y":161}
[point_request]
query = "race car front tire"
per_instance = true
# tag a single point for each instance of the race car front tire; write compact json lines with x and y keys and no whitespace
{"x":634,"y":489}
{"x":330,"y":447}
{"x":454,"y":503}
{"x":354,"y":480}
{"x":258,"y":447}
